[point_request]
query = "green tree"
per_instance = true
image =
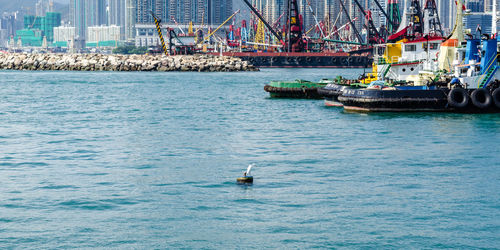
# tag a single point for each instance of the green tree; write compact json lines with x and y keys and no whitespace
{"x":130,"y":49}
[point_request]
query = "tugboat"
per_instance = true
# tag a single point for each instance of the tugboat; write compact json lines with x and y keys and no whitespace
{"x":471,"y":87}
{"x":296,"y":89}
{"x":400,"y":61}
{"x":333,"y":90}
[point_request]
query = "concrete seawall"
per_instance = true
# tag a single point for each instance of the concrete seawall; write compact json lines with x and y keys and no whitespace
{"x":100,"y":62}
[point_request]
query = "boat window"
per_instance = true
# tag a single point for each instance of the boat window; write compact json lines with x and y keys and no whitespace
{"x":434,"y":46}
{"x":380,"y":51}
{"x":411,"y":47}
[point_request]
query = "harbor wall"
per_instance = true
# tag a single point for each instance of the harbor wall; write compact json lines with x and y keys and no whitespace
{"x":102,"y":62}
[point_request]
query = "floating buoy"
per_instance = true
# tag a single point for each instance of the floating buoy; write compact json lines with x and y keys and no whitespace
{"x":247,"y":178}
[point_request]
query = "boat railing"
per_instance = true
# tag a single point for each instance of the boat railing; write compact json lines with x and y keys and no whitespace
{"x":488,"y":68}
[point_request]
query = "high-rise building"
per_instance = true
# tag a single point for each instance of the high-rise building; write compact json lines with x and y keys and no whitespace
{"x":478,"y":18}
{"x":11,"y":22}
{"x":183,"y":11}
{"x":489,"y":6}
{"x":144,"y":8}
{"x":85,"y":13}
{"x":38,"y":28}
{"x":130,"y":19}
{"x":3,"y":35}
{"x":219,"y":10}
{"x":116,"y":15}
{"x":44,"y":6}
{"x":63,"y":35}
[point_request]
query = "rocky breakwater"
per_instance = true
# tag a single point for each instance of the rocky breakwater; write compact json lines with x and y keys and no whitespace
{"x":100,"y":62}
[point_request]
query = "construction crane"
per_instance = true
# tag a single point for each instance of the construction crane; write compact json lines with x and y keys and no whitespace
{"x":358,"y":36}
{"x":158,"y":28}
{"x":336,"y":30}
{"x":432,"y":18}
{"x":393,"y":15}
{"x":275,"y":33}
{"x":180,"y":28}
{"x":373,"y":34}
{"x":222,"y":24}
{"x":416,"y":17}
{"x":315,"y":19}
{"x":294,"y":28}
{"x":390,"y":21}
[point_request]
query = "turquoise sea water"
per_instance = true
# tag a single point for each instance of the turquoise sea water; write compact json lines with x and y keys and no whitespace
{"x":149,"y":160}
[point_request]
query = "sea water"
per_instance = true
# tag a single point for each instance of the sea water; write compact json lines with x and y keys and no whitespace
{"x":150,"y":160}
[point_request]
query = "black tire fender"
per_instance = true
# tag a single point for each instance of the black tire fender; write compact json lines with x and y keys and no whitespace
{"x":496,"y":97}
{"x":481,"y":98}
{"x":458,"y":98}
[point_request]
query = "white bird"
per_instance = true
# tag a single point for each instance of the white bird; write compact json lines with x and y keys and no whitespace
{"x":247,"y":173}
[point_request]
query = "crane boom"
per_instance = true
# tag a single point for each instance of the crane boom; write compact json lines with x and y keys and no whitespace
{"x":276,"y":34}
{"x":383,"y":12}
{"x":315,"y":19}
{"x":350,"y":21}
{"x":222,"y":24}
{"x":158,"y":28}
{"x":370,"y":22}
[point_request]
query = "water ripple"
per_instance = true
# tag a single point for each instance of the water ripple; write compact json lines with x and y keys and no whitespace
{"x":133,"y":160}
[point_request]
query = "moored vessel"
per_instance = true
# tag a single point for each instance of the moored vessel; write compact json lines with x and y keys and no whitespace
{"x":305,"y":59}
{"x":333,"y":90}
{"x":296,"y":89}
{"x":400,"y":61}
{"x":461,"y":80}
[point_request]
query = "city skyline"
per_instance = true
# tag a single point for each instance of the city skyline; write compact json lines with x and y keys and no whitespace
{"x":126,"y":14}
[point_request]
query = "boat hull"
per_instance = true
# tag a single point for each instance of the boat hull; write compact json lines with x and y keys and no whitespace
{"x":436,"y":100}
{"x":294,"y":89}
{"x":331,"y":93}
{"x":303,"y":93}
{"x":304,"y":59}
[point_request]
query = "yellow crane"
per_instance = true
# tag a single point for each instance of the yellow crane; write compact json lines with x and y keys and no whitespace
{"x":259,"y":35}
{"x":209,"y":35}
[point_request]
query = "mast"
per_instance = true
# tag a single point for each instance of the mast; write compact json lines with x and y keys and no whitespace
{"x":416,"y":17}
{"x":432,"y":22}
{"x":494,"y":19}
{"x":394,"y":15}
{"x":295,"y":28}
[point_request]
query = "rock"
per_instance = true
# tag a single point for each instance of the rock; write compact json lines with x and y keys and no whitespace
{"x":93,"y":62}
